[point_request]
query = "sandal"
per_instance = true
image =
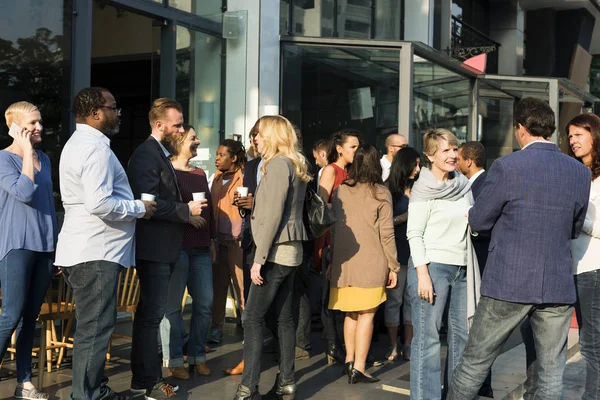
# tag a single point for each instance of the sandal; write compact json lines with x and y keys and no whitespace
{"x":406,"y":352}
{"x":392,"y":354}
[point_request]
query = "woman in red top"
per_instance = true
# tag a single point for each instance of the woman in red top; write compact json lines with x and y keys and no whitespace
{"x":340,"y":155}
{"x":193,"y":268}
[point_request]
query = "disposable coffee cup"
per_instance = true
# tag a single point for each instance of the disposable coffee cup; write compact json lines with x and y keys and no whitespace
{"x":148,"y":197}
{"x":243,"y":191}
{"x":199,"y":196}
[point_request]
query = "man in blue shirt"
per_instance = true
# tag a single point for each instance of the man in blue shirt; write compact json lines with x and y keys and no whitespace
{"x":533,"y":202}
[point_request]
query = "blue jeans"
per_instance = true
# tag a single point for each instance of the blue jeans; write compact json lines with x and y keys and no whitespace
{"x":194,"y":269}
{"x":493,"y":323}
{"x":94,"y":286}
{"x":588,"y":317}
{"x":277,"y":289}
{"x":154,"y":294}
{"x":24,"y":278}
{"x":450,"y":286}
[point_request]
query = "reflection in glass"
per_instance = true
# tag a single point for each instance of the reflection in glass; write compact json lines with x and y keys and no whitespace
{"x":440,"y":100}
{"x":198,"y":89}
{"x":35,"y":53}
{"x":325,"y":89}
{"x":364,"y":19}
{"x":198,"y":7}
{"x":496,"y":125}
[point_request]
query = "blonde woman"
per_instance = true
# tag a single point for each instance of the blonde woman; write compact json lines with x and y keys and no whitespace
{"x":28,"y":238}
{"x":278,"y":233}
{"x":437,"y":268}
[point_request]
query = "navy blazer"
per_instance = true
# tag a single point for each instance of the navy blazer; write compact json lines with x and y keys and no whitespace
{"x":533,"y":202}
{"x":250,"y":171}
{"x":481,"y":242}
{"x":477,"y":185}
{"x":160,"y":238}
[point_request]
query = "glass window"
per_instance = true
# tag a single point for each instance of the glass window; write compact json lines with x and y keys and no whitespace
{"x":198,"y":7}
{"x":325,"y":89}
{"x":35,"y":54}
{"x":441,"y":100}
{"x":365,"y":19}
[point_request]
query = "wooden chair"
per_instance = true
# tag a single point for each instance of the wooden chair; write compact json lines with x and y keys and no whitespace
{"x":128,"y":296}
{"x":59,"y":306}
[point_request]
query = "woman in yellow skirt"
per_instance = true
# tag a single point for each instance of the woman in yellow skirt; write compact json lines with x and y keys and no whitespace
{"x":364,"y":259}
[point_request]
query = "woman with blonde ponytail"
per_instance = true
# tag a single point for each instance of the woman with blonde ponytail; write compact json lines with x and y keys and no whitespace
{"x":278,"y":232}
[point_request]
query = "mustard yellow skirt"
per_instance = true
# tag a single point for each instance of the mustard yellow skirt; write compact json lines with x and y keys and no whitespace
{"x":349,"y":299}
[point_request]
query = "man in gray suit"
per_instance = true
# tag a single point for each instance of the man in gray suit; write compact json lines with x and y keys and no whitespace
{"x":534,"y":202}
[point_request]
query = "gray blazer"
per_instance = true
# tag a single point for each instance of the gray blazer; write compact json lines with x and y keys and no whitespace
{"x":278,"y":206}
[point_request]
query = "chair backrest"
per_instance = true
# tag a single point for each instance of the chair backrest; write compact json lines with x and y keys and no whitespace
{"x":59,"y":302}
{"x":128,"y":290}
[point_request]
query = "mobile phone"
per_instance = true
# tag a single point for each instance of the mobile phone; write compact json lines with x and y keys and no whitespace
{"x":14,"y":128}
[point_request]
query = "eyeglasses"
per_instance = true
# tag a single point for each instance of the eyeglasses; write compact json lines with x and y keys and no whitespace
{"x":115,"y":109}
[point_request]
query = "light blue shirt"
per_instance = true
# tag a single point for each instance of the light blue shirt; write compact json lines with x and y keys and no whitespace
{"x":100,"y":211}
{"x":27,"y":212}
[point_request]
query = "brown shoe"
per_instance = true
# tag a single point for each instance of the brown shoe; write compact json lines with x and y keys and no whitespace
{"x":237,"y":370}
{"x":179,"y":373}
{"x":202,"y":369}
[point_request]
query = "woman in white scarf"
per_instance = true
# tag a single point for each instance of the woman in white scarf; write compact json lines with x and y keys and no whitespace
{"x":440,"y":262}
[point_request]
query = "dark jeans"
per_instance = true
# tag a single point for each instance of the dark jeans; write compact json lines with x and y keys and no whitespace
{"x":277,"y":289}
{"x":334,"y":333}
{"x":301,"y":303}
{"x":588,"y":318}
{"x":154,"y":293}
{"x":493,"y":323}
{"x":94,"y":285}
{"x":24,"y":278}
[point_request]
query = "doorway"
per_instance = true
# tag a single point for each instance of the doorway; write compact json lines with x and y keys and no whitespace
{"x":126,"y":61}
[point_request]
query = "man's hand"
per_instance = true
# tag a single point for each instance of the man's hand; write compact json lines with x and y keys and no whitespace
{"x":150,"y":208}
{"x":244,"y":202}
{"x":197,"y":206}
{"x":198,"y":222}
{"x":255,"y":274}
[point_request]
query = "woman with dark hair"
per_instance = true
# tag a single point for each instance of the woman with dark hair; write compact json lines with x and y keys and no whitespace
{"x":583,"y":133}
{"x":363,"y":235}
{"x":342,"y":146}
{"x":230,"y":161}
{"x":192,"y":269}
{"x":404,"y":171}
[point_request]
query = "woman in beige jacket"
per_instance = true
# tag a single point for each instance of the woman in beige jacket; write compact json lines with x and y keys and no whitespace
{"x":364,"y":259}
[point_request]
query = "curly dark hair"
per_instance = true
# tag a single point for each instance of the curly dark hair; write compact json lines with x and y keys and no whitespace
{"x":87,"y":100}
{"x":591,"y":123}
{"x":237,"y":149}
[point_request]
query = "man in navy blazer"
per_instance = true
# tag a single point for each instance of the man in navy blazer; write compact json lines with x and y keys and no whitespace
{"x":534,"y":202}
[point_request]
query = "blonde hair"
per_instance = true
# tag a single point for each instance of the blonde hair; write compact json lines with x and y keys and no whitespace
{"x":160,"y":107}
{"x":14,"y":112}
{"x":280,"y":139}
{"x":432,"y":137}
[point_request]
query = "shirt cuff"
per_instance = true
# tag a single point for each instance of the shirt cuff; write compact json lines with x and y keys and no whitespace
{"x":140,"y":209}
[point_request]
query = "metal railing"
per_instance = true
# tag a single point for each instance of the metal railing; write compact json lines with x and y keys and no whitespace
{"x":467,"y":42}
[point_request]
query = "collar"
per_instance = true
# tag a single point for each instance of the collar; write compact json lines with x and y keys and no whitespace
{"x":163,"y":148}
{"x":476,"y":175}
{"x":384,"y":161}
{"x":92,"y":131}
{"x":536,"y":141}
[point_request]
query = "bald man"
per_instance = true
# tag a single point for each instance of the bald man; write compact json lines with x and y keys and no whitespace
{"x":393,"y":143}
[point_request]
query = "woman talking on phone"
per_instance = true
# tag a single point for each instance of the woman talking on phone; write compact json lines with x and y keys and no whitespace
{"x":28,"y":240}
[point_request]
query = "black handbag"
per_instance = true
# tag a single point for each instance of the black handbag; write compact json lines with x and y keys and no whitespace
{"x":317,"y":216}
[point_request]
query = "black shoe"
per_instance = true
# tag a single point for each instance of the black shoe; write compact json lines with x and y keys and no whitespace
{"x":486,"y":391}
{"x":245,"y":393}
{"x":356,"y":376}
{"x":335,"y":354}
{"x":347,"y":367}
{"x":281,"y":391}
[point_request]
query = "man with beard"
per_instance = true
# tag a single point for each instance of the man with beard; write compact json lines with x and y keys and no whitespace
{"x":158,"y":242}
{"x":96,"y":240}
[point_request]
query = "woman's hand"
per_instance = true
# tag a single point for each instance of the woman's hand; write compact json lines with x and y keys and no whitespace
{"x":23,"y":139}
{"x":255,"y":274}
{"x":425,"y":286}
{"x":392,"y":280}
